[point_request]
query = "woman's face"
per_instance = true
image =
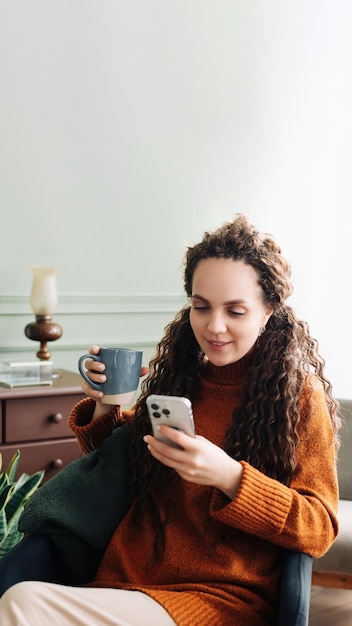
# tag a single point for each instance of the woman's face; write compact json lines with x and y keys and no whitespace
{"x":227,"y":310}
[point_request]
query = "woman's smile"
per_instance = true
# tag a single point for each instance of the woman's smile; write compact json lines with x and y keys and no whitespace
{"x":217,"y":345}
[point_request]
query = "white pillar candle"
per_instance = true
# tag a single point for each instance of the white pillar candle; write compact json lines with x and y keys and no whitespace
{"x":44,"y":290}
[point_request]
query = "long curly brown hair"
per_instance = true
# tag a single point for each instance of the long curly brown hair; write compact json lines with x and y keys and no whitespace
{"x":270,"y":409}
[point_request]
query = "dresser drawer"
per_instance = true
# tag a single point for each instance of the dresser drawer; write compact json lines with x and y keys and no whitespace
{"x":30,"y":419}
{"x":51,"y":456}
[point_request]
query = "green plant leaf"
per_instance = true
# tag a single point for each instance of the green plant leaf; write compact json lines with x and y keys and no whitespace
{"x":12,"y":466}
{"x":12,"y":535}
{"x":4,"y":481}
{"x":5,"y":496}
{"x":21,"y":480}
{"x":14,"y":520}
{"x":21,"y":494}
{"x":3,"y":525}
{"x":14,"y":494}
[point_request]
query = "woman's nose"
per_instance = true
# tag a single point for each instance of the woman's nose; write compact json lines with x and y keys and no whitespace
{"x":217,"y":323}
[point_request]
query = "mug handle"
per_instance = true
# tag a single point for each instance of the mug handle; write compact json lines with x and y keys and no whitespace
{"x":81,"y":360}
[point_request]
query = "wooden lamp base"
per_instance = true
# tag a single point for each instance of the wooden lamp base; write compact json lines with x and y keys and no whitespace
{"x":43,"y":330}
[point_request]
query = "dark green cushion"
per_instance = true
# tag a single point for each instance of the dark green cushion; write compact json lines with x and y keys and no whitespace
{"x":81,"y":506}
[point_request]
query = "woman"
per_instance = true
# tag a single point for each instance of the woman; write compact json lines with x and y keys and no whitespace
{"x":203,"y":541}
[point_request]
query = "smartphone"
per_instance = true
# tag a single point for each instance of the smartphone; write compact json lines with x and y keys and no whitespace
{"x":174,"y":411}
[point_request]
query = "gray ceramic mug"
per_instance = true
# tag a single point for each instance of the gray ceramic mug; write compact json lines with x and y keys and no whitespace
{"x":122,"y":370}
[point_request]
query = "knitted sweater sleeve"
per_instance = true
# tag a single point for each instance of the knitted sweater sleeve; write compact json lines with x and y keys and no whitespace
{"x":303,"y":516}
{"x":91,"y":433}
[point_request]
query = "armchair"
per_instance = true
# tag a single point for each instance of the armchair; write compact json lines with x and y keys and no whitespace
{"x":334,"y":569}
{"x":36,"y":558}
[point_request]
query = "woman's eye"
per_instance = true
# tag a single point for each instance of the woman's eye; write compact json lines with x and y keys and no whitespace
{"x":236,"y":313}
{"x":201,"y":308}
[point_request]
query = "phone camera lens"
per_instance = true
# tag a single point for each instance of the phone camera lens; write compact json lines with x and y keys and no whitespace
{"x":166,"y":412}
{"x":156,"y":414}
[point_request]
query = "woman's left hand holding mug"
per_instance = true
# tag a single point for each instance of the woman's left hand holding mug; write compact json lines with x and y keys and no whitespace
{"x":94,"y":371}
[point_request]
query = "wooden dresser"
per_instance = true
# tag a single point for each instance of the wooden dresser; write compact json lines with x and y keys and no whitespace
{"x":34,"y":420}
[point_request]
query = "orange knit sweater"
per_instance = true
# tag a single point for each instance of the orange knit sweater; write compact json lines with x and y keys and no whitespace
{"x":202,"y":580}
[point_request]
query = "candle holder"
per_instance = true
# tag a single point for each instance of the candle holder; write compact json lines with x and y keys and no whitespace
{"x":43,"y":303}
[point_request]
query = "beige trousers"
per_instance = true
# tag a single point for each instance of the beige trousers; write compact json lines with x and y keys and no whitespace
{"x":46,"y":604}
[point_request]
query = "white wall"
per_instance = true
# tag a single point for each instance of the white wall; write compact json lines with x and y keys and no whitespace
{"x":128,"y":128}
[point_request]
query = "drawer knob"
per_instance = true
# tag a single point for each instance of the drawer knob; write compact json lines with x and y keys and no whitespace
{"x":57,"y":418}
{"x":57,"y":464}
